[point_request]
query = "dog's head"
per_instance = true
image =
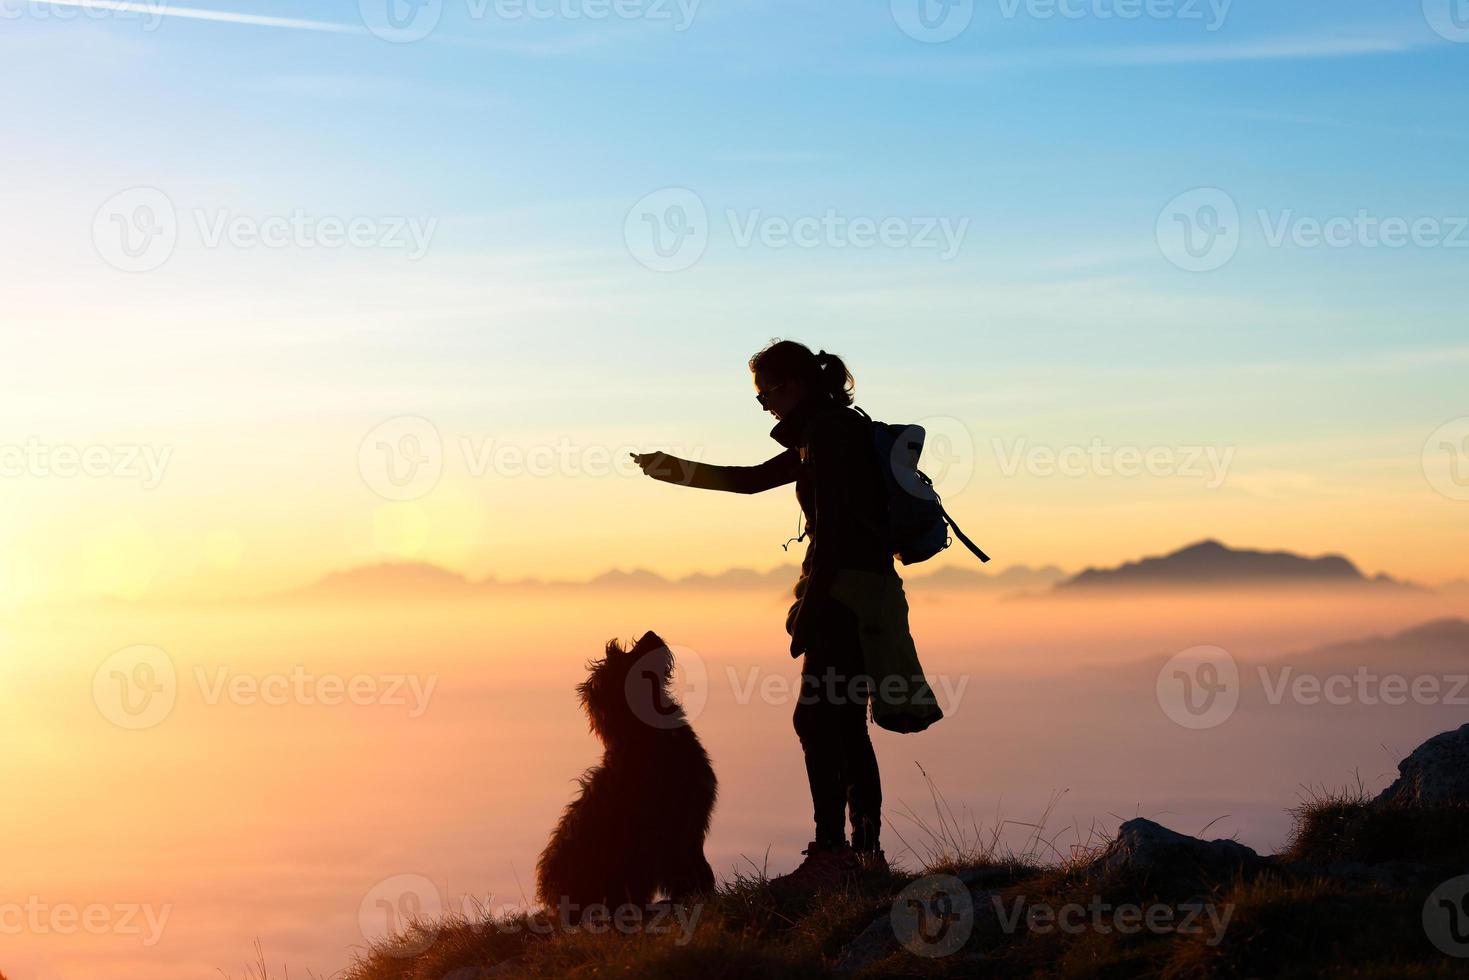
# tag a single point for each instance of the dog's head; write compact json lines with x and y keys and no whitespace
{"x":626,"y":693}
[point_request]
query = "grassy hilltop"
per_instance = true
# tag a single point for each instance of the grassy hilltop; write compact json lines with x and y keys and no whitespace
{"x":1345,"y":899}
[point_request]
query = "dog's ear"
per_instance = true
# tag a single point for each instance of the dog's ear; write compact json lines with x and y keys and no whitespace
{"x":649,"y":641}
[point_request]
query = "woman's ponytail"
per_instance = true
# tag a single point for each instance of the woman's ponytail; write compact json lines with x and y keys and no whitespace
{"x":822,"y":374}
{"x":836,"y":380}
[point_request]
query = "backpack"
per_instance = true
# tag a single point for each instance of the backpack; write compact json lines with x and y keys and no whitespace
{"x":918,"y":525}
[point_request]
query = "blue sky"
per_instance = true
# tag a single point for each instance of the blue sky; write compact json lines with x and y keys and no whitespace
{"x":1058,"y":142}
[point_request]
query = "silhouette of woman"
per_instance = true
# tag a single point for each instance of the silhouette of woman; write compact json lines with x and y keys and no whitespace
{"x":828,"y":454}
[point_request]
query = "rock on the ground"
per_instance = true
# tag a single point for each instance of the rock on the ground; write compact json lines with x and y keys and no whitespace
{"x":1168,"y":859}
{"x":874,"y":943}
{"x":1435,"y":774}
{"x":880,"y":939}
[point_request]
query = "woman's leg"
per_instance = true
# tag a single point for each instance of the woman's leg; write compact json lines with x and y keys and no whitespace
{"x":864,"y":784}
{"x":831,"y":720}
{"x":818,"y":727}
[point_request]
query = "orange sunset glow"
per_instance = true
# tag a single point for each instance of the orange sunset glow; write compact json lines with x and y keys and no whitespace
{"x":662,"y":488}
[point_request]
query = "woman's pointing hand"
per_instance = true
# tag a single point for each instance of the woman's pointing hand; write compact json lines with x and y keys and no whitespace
{"x":654,"y":464}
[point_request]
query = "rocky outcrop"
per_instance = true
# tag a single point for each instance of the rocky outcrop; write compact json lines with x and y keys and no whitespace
{"x":1170,"y":861}
{"x":1154,"y":860}
{"x":1435,"y":774}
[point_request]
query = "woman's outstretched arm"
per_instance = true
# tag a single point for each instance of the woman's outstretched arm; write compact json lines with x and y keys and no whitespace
{"x":776,"y":471}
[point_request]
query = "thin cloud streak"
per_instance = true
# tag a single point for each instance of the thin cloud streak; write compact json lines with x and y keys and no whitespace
{"x":1169,"y":55}
{"x":1300,"y":48}
{"x":218,"y":16}
{"x":161,"y":8}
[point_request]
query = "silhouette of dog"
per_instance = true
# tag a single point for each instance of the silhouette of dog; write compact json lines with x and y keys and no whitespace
{"x":639,"y":823}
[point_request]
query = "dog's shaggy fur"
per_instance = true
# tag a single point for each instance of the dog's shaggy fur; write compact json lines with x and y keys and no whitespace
{"x":638,"y":825}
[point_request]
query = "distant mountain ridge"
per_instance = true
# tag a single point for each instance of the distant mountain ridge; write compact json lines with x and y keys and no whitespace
{"x":390,"y":578}
{"x":425,"y":580}
{"x":1436,"y":644}
{"x":1204,"y":565}
{"x":1212,"y":564}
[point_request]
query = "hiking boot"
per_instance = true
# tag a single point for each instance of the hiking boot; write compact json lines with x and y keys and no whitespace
{"x":825,"y":868}
{"x":873,"y":861}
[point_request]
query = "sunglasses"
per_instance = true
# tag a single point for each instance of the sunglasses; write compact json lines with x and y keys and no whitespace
{"x":760,"y":396}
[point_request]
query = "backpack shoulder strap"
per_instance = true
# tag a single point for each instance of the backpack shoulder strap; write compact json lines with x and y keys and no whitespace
{"x":965,"y":539}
